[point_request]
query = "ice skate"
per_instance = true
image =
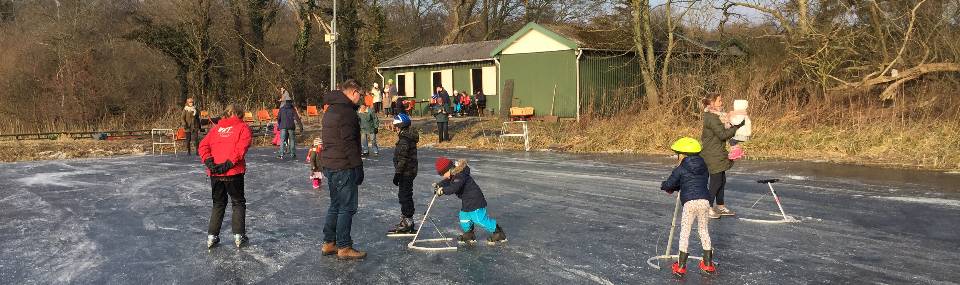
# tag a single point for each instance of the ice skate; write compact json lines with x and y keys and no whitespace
{"x":405,"y":227}
{"x":680,"y":267}
{"x":212,"y":241}
{"x":706,"y":265}
{"x":724,"y":211}
{"x":467,"y":237}
{"x":240,"y":240}
{"x":714,"y":214}
{"x":497,"y":237}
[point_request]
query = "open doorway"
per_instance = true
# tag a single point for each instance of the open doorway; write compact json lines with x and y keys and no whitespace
{"x":476,"y":81}
{"x":436,"y":80}
{"x":402,"y":84}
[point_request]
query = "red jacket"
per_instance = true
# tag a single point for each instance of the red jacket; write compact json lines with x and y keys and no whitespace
{"x":229,"y":140}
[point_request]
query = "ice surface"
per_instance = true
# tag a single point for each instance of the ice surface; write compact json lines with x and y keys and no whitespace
{"x":570,"y":219}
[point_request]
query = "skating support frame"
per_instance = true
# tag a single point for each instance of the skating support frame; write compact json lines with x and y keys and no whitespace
{"x":413,"y":243}
{"x":786,"y":219}
{"x":673,"y":226}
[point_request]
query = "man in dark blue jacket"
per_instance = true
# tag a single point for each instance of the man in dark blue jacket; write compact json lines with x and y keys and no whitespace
{"x":473,"y":207}
{"x":690,"y":178}
{"x":287,"y":122}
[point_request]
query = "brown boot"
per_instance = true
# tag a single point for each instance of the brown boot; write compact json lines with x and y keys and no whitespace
{"x":350,"y":253}
{"x":329,"y":248}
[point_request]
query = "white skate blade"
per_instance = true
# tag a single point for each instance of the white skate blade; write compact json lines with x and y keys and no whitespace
{"x":496,"y":242}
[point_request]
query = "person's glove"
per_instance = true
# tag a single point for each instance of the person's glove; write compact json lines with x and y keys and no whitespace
{"x":744,"y":122}
{"x":223,"y":167}
{"x":359,"y":173}
{"x":209,"y":164}
{"x":396,"y":179}
{"x":438,"y":191}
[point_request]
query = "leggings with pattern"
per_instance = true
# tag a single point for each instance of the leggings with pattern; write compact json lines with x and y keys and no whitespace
{"x":695,"y":210}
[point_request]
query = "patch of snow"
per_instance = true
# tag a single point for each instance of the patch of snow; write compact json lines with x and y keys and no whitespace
{"x":923,"y":200}
{"x":54,"y":179}
{"x":797,"y":177}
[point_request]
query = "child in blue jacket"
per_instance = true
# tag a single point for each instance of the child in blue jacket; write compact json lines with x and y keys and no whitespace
{"x":690,"y":178}
{"x":473,"y":208}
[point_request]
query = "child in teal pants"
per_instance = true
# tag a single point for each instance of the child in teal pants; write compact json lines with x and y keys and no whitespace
{"x":473,"y":209}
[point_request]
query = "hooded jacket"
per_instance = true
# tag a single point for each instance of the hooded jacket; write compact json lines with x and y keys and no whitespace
{"x":228,"y":140}
{"x":369,"y":122}
{"x":340,"y":133}
{"x":714,"y":137}
{"x":462,"y":184}
{"x":405,"y":153}
{"x":287,"y":118}
{"x":191,"y":119}
{"x":690,"y":178}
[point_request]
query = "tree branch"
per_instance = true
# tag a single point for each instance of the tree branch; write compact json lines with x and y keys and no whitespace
{"x":906,"y":38}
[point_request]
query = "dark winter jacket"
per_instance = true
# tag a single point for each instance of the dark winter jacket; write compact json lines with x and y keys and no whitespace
{"x":405,"y":153}
{"x":228,"y":140}
{"x":690,"y":178}
{"x":369,"y":122}
{"x":442,"y":113}
{"x":714,"y":139}
{"x":314,"y":156}
{"x":462,"y":184}
{"x":399,"y":107}
{"x":444,"y":97}
{"x":340,"y":133}
{"x":191,"y":120}
{"x":287,"y":118}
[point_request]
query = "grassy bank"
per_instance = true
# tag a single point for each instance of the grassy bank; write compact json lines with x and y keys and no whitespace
{"x":876,"y":140}
{"x":924,"y":144}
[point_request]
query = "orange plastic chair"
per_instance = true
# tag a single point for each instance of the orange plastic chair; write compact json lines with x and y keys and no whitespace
{"x":276,"y":113}
{"x":368,"y":100}
{"x":248,"y":117}
{"x":312,"y":111}
{"x":410,"y":105}
{"x":180,"y":135}
{"x":263,"y":115}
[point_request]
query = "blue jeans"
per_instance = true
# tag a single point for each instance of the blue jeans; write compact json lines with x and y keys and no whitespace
{"x":366,"y":139}
{"x":343,"y":204}
{"x":478,"y":216}
{"x":288,"y":142}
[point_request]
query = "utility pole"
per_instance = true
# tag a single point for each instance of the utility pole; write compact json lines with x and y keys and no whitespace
{"x":333,"y":48}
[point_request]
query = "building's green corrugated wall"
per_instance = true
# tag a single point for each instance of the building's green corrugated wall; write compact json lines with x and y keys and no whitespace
{"x":609,"y":82}
{"x":461,"y":78}
{"x":534,"y":77}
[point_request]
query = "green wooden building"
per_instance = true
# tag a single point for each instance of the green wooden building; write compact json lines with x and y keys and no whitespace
{"x":559,"y":70}
{"x":464,"y":67}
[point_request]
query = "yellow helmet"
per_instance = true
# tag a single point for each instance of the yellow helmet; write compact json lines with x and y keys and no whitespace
{"x":686,"y":145}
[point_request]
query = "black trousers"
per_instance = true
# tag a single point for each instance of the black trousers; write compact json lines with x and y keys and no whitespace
{"x":405,"y":194}
{"x":443,"y":133}
{"x":228,"y":186}
{"x":377,"y":106}
{"x":717,"y":183}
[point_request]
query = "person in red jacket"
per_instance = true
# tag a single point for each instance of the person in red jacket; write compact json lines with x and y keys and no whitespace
{"x":222,"y":152}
